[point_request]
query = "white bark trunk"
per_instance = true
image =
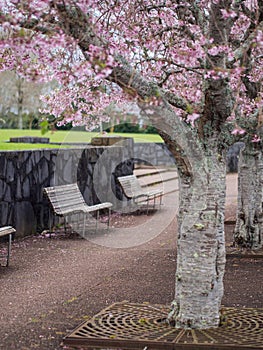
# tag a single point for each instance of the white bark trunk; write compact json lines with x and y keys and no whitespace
{"x":20,"y":98}
{"x":249,"y":220}
{"x":201,"y":247}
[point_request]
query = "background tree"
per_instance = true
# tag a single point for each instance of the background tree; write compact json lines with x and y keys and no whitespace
{"x":249,"y":219}
{"x":182,"y":62}
{"x":20,"y":98}
{"x":249,"y":223}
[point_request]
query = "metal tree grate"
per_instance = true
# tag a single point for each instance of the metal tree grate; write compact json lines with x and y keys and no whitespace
{"x":137,"y":326}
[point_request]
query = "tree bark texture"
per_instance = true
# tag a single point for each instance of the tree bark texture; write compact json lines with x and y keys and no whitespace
{"x":249,"y":220}
{"x":201,"y":247}
{"x":20,"y":98}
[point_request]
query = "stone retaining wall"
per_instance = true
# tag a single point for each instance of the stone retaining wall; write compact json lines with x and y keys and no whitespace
{"x":157,"y":154}
{"x":24,"y":174}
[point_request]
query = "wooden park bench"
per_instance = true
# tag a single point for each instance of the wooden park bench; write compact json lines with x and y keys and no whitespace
{"x":67,"y":200}
{"x":138,"y":195}
{"x":7,"y":232}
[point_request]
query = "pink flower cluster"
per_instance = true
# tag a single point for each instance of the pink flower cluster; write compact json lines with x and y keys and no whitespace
{"x":166,"y":42}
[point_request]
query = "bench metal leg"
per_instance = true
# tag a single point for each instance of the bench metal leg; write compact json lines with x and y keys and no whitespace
{"x":148,"y":200}
{"x":97,"y":219}
{"x":8,"y":249}
{"x":85,"y":221}
{"x":8,"y":253}
{"x":108,"y":223}
{"x":7,"y":232}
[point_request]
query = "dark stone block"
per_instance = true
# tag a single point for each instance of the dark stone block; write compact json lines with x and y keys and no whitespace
{"x":29,"y":139}
{"x":25,"y":219}
{"x":232,"y":157}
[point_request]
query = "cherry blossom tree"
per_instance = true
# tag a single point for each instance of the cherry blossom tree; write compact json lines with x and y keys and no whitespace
{"x":249,"y":223}
{"x":248,"y":231}
{"x":185,"y":63}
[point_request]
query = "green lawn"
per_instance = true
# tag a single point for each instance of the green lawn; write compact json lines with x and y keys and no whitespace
{"x":60,"y":137}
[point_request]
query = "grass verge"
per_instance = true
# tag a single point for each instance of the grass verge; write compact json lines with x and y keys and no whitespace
{"x":71,"y":136}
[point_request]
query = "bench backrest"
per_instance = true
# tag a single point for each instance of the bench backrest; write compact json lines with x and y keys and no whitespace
{"x":64,"y":197}
{"x":130,"y":185}
{"x":6,"y":230}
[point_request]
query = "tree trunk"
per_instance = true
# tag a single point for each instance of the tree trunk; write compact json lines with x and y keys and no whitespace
{"x":20,"y":99}
{"x":201,"y":246}
{"x":249,"y":219}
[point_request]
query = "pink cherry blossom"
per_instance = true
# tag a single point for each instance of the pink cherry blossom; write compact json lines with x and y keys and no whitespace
{"x":255,"y":138}
{"x":173,"y":50}
{"x":192,"y":117}
{"x":238,"y":131}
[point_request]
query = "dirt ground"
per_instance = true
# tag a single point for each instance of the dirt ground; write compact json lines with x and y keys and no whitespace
{"x":52,"y":285}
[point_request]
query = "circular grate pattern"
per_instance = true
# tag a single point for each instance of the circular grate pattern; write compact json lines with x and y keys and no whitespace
{"x":137,"y":326}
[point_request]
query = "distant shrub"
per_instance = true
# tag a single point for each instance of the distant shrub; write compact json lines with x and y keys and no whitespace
{"x":132,"y":128}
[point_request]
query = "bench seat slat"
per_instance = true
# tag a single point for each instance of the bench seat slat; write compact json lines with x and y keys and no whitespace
{"x":6,"y":230}
{"x":133,"y":190}
{"x":67,"y":200}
